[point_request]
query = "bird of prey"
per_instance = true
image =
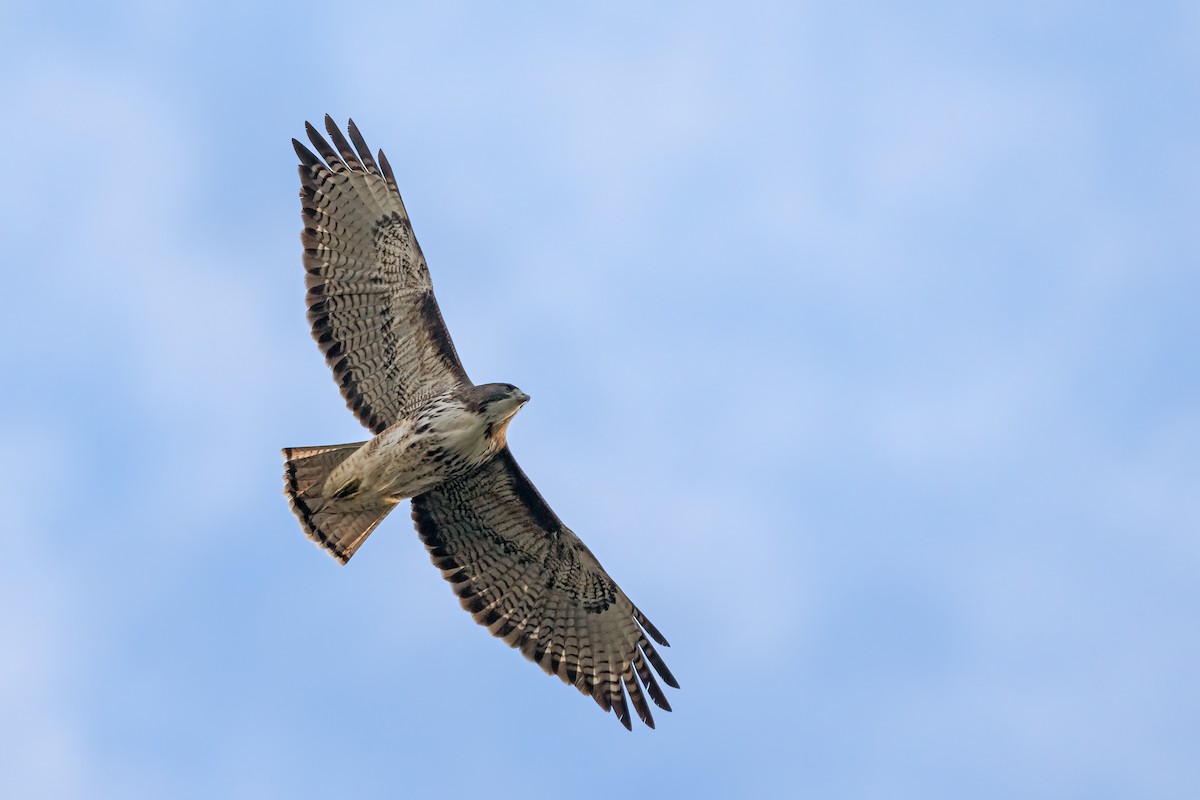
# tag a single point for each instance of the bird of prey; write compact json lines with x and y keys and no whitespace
{"x":440,"y":440}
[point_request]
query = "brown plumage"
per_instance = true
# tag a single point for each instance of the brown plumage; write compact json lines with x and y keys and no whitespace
{"x":441,"y":440}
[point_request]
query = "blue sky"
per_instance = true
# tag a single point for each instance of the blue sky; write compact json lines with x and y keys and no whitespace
{"x":863,"y":352}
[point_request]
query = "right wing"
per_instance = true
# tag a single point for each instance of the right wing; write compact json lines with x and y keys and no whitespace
{"x":534,"y":584}
{"x":370,"y":300}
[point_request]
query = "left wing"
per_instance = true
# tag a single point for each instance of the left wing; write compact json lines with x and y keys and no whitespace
{"x":370,"y":299}
{"x":533,"y":583}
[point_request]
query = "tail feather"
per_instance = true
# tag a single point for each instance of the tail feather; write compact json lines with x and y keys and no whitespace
{"x":339,"y":529}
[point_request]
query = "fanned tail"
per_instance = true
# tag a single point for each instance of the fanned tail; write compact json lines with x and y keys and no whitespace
{"x":327,"y":521}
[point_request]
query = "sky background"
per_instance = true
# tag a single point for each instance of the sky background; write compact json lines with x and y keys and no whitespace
{"x":864,"y":352}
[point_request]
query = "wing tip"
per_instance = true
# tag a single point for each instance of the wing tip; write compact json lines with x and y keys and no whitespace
{"x":307,"y":157}
{"x":648,"y":626}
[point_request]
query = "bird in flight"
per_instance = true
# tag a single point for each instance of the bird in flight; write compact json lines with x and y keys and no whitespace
{"x":441,"y":440}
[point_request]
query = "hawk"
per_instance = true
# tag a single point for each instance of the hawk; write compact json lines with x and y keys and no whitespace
{"x":441,"y":440}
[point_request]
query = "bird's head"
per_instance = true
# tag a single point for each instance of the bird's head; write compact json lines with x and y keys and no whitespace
{"x":498,"y":403}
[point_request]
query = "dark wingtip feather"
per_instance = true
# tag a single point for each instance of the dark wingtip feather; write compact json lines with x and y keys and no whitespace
{"x":360,"y":144}
{"x":649,"y":628}
{"x":306,"y":156}
{"x":388,"y":175}
{"x":659,"y":666}
{"x":622,"y":712}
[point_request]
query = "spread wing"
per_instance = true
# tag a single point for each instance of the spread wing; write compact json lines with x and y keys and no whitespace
{"x":533,"y":583}
{"x":370,"y":300}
